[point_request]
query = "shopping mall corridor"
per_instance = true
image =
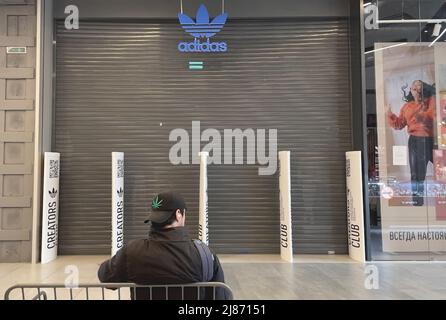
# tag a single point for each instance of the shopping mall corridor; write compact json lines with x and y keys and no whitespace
{"x":267,"y":277}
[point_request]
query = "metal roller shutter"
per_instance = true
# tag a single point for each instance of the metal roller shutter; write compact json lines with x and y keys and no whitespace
{"x":124,"y":87}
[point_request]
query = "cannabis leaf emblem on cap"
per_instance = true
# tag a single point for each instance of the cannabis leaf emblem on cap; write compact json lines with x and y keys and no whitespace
{"x":156,"y":204}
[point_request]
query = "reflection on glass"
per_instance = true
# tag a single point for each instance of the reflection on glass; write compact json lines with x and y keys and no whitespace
{"x":406,"y":131}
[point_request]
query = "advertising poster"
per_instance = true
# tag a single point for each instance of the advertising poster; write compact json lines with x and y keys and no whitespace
{"x":410,"y":111}
{"x":286,"y":236}
{"x":118,"y":196}
{"x":355,"y":209}
{"x":203,"y":219}
{"x":50,"y":213}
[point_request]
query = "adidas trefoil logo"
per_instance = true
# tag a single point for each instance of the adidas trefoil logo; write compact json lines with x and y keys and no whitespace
{"x":120,"y":192}
{"x":53,"y":193}
{"x":202,"y":28}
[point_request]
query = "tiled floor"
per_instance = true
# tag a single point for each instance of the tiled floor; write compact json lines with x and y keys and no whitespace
{"x":268,"y":277}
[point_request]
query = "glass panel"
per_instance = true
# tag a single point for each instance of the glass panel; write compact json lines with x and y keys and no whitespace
{"x":434,"y":35}
{"x":406,"y":128}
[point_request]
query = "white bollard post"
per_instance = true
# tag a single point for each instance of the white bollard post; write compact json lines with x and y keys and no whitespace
{"x":50,"y":207}
{"x":355,"y":212}
{"x":117,"y":201}
{"x":203,"y":232}
{"x":286,"y":235}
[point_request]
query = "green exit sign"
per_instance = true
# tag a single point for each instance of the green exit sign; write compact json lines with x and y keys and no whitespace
{"x":19,"y":50}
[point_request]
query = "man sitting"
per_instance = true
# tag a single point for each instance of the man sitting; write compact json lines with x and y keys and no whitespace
{"x":168,"y":256}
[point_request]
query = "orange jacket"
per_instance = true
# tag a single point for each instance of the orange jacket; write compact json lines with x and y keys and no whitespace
{"x":419,"y":118}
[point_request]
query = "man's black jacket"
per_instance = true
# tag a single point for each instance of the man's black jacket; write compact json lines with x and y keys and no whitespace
{"x":167,"y":257}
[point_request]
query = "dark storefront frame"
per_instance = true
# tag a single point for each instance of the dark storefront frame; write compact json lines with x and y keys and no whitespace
{"x":289,"y":8}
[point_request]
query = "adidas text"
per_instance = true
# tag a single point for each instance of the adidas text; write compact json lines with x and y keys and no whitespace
{"x":198,"y":46}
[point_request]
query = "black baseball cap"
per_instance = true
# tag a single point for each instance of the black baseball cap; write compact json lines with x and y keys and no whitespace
{"x":164,"y":205}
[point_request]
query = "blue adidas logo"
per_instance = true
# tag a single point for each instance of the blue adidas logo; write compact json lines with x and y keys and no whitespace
{"x":202,"y":28}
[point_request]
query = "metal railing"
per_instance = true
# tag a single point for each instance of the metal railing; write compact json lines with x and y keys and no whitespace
{"x":118,"y":291}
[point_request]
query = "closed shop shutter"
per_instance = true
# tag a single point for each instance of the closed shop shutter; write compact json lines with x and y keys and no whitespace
{"x":124,"y":86}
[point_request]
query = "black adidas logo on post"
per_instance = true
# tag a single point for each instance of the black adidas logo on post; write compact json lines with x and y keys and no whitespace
{"x":120,"y":192}
{"x":53,"y":193}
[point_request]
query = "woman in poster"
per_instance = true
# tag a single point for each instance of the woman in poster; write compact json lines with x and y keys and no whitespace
{"x":418,"y":114}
